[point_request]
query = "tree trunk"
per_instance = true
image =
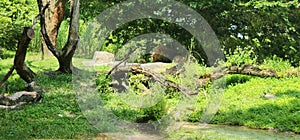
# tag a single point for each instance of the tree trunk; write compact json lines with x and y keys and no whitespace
{"x":25,"y":73}
{"x":54,"y":15}
{"x":65,"y":55}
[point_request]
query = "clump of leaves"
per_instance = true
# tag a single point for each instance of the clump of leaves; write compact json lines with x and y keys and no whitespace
{"x":241,"y":56}
{"x":276,"y":63}
{"x":102,"y":83}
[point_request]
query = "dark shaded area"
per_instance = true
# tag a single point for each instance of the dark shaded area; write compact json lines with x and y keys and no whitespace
{"x":236,"y":79}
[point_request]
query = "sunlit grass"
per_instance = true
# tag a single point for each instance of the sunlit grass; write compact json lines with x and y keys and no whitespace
{"x":58,"y":115}
{"x":244,"y":104}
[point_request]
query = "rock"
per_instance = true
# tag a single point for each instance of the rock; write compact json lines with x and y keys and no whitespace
{"x":167,"y":54}
{"x":103,"y":57}
{"x":269,"y":96}
{"x":156,"y":66}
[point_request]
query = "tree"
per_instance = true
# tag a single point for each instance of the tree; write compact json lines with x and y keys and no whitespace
{"x":64,"y":56}
{"x":53,"y":18}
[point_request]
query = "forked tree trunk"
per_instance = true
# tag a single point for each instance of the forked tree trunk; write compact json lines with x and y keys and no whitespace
{"x":65,"y":55}
{"x":54,"y":16}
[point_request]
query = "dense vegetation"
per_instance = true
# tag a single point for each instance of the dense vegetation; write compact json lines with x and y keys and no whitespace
{"x":269,"y":27}
{"x":265,"y":34}
{"x":58,"y":115}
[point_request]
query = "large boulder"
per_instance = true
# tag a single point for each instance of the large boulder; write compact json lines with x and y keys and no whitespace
{"x":101,"y":57}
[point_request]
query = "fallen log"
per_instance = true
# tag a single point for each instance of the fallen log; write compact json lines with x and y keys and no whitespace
{"x":18,"y":99}
{"x":244,"y":69}
{"x":162,"y":80}
{"x":203,"y":79}
{"x":252,"y":70}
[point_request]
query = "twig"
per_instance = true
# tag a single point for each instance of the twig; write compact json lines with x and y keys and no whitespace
{"x":13,"y":107}
{"x":39,"y":15}
{"x":122,"y":61}
{"x":7,"y":76}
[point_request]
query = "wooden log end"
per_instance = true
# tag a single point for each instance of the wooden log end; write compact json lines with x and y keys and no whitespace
{"x":30,"y":33}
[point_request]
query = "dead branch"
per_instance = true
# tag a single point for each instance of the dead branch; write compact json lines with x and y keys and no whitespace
{"x":122,"y":61}
{"x":252,"y":70}
{"x":244,"y":69}
{"x":19,"y":62}
{"x":18,"y":99}
{"x":162,"y":80}
{"x":28,"y":33}
{"x":7,"y":76}
{"x":12,"y":107}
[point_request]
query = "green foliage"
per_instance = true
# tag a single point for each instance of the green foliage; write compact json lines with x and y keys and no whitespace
{"x":14,"y":15}
{"x":36,"y":43}
{"x":257,"y":24}
{"x":241,"y":56}
{"x":102,"y":84}
{"x":136,"y":105}
{"x":276,"y":63}
{"x":232,"y":80}
{"x":4,"y":53}
{"x":190,"y":75}
{"x":63,"y":33}
{"x":238,"y":24}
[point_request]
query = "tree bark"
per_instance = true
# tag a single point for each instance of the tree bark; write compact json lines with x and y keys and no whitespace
{"x":65,"y":55}
{"x":54,"y":15}
{"x":25,"y":73}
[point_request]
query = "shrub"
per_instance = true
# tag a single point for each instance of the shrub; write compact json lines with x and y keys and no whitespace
{"x":241,"y":56}
{"x":14,"y":15}
{"x":276,"y":63}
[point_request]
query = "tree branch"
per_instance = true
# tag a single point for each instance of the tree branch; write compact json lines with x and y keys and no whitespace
{"x":122,"y":61}
{"x":164,"y":81}
{"x":7,"y":76}
{"x":73,"y":37}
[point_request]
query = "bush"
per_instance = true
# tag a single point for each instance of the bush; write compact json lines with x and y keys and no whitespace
{"x":241,"y":56}
{"x":276,"y":63}
{"x":14,"y":15}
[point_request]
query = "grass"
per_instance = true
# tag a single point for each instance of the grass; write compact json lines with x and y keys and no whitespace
{"x":58,"y":116}
{"x":244,"y":104}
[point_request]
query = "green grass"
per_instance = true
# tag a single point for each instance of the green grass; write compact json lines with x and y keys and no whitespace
{"x":58,"y":116}
{"x":243,"y":104}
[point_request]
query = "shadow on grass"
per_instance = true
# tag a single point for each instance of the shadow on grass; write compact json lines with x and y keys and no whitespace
{"x":289,"y":93}
{"x":30,"y":65}
{"x":232,"y":80}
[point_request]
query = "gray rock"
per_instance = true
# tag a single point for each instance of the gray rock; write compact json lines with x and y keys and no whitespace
{"x":269,"y":96}
{"x":103,"y":57}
